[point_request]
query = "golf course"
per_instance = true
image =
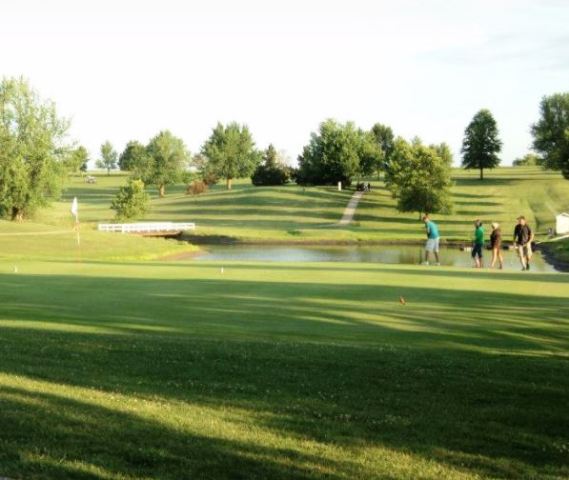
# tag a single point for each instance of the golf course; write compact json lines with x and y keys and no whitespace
{"x":121,"y":361}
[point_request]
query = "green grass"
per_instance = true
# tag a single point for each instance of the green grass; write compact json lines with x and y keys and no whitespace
{"x":294,"y":214}
{"x":176,"y":370}
{"x":504,"y":194}
{"x":115,"y":368}
{"x":31,"y":240}
{"x":51,"y":234}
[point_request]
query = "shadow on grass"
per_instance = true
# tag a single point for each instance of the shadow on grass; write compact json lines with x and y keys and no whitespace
{"x":488,"y":181}
{"x":78,"y":436}
{"x":475,"y":381}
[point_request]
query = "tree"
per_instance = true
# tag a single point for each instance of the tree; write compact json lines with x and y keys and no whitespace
{"x":272,"y":171}
{"x":551,"y":133}
{"x":33,"y":149}
{"x":370,"y":153}
{"x":133,"y":156}
{"x":131,"y":200}
{"x":199,"y":164}
{"x":108,"y":158}
{"x":421,"y":177}
{"x":384,"y":137}
{"x":230,"y":153}
{"x":529,"y":159}
{"x":168,"y":158}
{"x":77,"y":160}
{"x":444,"y":152}
{"x":481,"y":144}
{"x":337,"y":153}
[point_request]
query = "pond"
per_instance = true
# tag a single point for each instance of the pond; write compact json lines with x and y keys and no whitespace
{"x":391,"y":254}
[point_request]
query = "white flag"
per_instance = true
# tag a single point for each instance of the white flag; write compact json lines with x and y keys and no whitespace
{"x":75,"y":209}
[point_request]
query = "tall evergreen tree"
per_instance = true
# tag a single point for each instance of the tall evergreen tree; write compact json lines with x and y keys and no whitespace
{"x":271,"y":171}
{"x":481,"y":144}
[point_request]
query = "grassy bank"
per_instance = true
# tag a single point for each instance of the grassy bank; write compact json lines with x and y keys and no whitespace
{"x":176,"y":370}
{"x":32,"y":240}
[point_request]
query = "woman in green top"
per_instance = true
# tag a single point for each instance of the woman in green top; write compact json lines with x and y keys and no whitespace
{"x":478,"y":243}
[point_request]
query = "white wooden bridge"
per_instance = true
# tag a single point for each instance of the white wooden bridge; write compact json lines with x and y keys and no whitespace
{"x":147,"y":228}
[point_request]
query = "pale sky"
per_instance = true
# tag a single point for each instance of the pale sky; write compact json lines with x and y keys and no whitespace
{"x":125,"y":69}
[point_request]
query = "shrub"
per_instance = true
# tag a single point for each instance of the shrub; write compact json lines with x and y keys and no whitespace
{"x":196,"y":187}
{"x":131,"y":200}
{"x":271,"y":171}
{"x":276,"y":175}
{"x":210,"y":178}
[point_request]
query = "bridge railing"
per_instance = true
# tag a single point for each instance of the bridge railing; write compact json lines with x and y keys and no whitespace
{"x":146,"y":227}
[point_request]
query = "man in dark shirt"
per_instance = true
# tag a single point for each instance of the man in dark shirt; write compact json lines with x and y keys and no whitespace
{"x":523,"y":236}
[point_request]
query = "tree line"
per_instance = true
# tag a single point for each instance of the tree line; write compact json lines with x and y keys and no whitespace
{"x":36,"y":155}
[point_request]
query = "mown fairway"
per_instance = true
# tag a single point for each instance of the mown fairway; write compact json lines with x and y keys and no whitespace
{"x":113,"y":367}
{"x":176,"y":370}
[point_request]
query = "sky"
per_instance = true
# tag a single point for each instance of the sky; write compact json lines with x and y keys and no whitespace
{"x":124,"y":70}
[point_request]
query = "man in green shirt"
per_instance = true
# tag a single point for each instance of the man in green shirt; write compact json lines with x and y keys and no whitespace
{"x":433,"y":240}
{"x":478,"y":243}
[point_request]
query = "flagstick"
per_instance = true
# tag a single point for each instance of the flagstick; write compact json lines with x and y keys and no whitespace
{"x":78,"y":236}
{"x":75,"y":212}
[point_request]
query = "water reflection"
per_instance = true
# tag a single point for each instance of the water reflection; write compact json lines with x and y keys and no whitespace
{"x":393,"y":254}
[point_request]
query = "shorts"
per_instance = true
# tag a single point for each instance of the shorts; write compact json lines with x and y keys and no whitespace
{"x":432,"y":245}
{"x":477,"y":251}
{"x":525,"y":250}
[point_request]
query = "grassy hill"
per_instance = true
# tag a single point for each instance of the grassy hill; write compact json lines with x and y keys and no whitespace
{"x":292,"y":213}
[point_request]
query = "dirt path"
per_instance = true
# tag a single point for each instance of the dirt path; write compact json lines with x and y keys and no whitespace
{"x":350,"y":209}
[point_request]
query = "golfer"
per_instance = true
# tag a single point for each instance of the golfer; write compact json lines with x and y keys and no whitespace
{"x":433,"y":240}
{"x":523,"y":236}
{"x":496,"y":244}
{"x":478,"y":244}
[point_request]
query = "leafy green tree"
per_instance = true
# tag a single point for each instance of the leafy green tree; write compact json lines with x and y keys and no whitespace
{"x":337,"y":153}
{"x":271,"y":171}
{"x":133,"y":156}
{"x":420,"y":178}
{"x":77,"y":160}
{"x":200,"y":165}
{"x":33,"y":149}
{"x":551,"y":133}
{"x":168,"y":159}
{"x":530,"y":159}
{"x":370,"y":153}
{"x":481,"y":144}
{"x":230,"y":153}
{"x":108,"y":158}
{"x":385,"y":139}
{"x":443,"y":151}
{"x":131,"y":200}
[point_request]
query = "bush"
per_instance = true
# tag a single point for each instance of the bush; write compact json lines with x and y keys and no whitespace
{"x":271,"y":171}
{"x":271,"y":175}
{"x":210,"y":178}
{"x":131,"y":200}
{"x":531,"y":159}
{"x":196,"y":187}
